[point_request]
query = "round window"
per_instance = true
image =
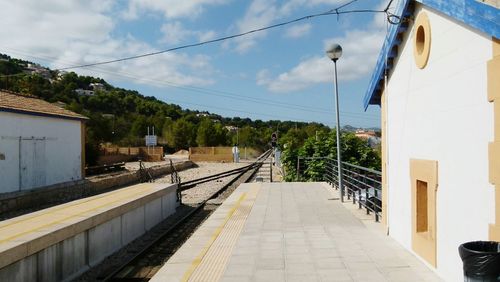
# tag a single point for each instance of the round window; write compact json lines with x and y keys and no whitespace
{"x":422,"y":40}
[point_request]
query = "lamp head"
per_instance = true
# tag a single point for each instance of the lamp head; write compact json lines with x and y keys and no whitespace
{"x":334,"y":52}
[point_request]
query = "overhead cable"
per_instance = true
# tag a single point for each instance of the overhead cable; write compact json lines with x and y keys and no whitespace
{"x":335,"y":11}
{"x":393,"y":19}
{"x":219,"y":93}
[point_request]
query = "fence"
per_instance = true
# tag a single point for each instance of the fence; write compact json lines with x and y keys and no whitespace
{"x":123,"y":154}
{"x":219,"y":154}
{"x":211,"y":154}
{"x":360,"y":184}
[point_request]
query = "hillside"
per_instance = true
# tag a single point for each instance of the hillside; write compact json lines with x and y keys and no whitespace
{"x":121,"y":116}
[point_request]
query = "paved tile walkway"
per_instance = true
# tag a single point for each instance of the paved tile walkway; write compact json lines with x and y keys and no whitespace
{"x":296,"y":232}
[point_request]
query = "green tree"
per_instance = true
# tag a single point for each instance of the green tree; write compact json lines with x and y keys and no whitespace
{"x":121,"y":116}
{"x":206,"y":134}
{"x":183,"y":134}
{"x":139,"y":127}
{"x":247,"y":136}
{"x":354,"y":150}
{"x":222,"y":135}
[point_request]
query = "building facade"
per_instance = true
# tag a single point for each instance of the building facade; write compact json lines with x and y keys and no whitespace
{"x":40,"y":144}
{"x":436,"y":81}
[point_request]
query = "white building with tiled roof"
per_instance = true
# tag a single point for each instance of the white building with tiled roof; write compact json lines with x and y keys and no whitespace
{"x":41,"y":144}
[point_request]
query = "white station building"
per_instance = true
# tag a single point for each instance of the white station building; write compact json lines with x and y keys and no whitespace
{"x":40,"y":144}
{"x":437,"y":81}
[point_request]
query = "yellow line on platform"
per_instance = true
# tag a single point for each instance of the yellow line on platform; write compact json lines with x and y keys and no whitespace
{"x":58,"y":208}
{"x":197,"y":260}
{"x":66,"y":218}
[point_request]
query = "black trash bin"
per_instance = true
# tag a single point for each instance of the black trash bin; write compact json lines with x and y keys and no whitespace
{"x":481,"y":261}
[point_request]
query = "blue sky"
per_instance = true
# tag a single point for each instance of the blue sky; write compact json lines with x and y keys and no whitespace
{"x":281,"y":73}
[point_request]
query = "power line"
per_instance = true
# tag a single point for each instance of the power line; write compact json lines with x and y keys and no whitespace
{"x":242,"y":98}
{"x":232,"y":110}
{"x":388,"y":6}
{"x":213,"y":92}
{"x":335,"y":11}
{"x":394,"y":19}
{"x":241,"y":111}
{"x":224,"y":94}
{"x":347,"y":114}
{"x":343,"y":5}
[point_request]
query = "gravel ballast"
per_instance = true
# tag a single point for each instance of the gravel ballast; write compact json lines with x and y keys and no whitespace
{"x":199,"y":193}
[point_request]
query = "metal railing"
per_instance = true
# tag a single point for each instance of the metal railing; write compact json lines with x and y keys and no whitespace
{"x":144,"y":173}
{"x":363,"y":186}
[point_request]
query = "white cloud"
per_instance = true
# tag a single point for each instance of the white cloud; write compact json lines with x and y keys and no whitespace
{"x":311,"y":71}
{"x":360,"y":50}
{"x":291,"y":5}
{"x":206,"y":35}
{"x":46,"y":21}
{"x":298,"y":31}
{"x":264,"y":77}
{"x":65,"y":33}
{"x":263,"y":13}
{"x":175,"y":33}
{"x":260,"y":13}
{"x":169,"y":8}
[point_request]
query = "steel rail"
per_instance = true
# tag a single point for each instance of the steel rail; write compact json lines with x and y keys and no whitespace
{"x":364,"y":168}
{"x":192,"y":183}
{"x":189,"y":184}
{"x":256,"y":165}
{"x":363,"y":176}
{"x":357,"y":173}
{"x":334,"y":167}
{"x":360,"y":182}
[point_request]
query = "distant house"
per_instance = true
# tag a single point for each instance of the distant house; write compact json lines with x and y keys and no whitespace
{"x":202,"y":115}
{"x":365,"y":134}
{"x":61,"y":74}
{"x":231,"y":128}
{"x":437,"y":81}
{"x":84,"y":92}
{"x":37,"y":69}
{"x":97,"y":86}
{"x":40,"y":143}
{"x":370,"y":136}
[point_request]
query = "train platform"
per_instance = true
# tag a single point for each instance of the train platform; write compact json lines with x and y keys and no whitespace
{"x":61,"y":242}
{"x":290,"y":232}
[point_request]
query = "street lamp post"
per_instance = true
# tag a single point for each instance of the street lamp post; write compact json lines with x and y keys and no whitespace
{"x":334,"y":53}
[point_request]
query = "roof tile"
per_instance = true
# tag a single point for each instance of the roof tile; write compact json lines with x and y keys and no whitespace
{"x":31,"y":104}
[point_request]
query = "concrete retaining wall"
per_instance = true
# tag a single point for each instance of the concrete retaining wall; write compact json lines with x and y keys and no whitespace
{"x":69,"y":191}
{"x":69,"y":258}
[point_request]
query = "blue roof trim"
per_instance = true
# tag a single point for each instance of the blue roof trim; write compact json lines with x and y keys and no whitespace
{"x":480,"y":16}
{"x":389,"y":42}
{"x":483,"y":17}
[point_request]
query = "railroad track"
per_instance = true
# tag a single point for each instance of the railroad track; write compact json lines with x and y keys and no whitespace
{"x":151,"y":254}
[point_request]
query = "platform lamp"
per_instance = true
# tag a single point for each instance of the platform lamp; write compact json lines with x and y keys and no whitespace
{"x":334,"y":52}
